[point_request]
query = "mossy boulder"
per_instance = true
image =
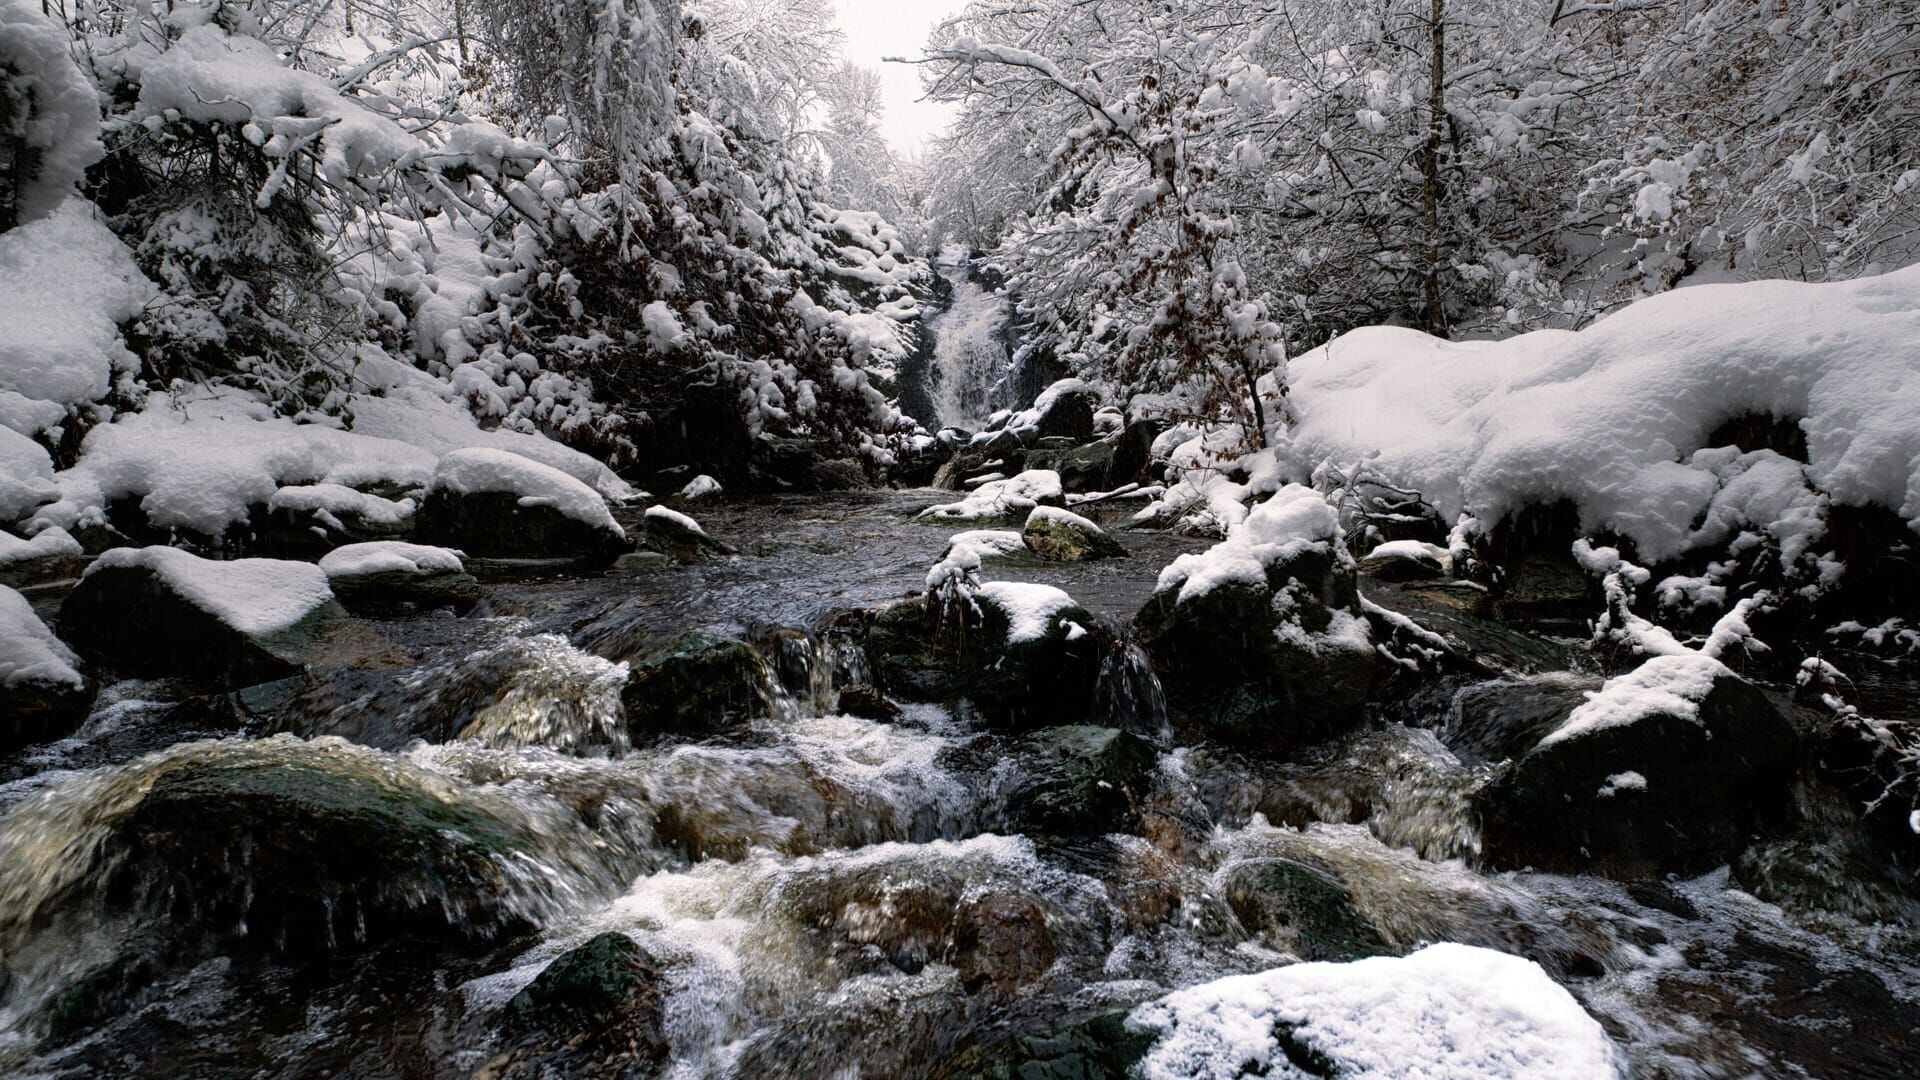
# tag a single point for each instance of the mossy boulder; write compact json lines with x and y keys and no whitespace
{"x":1080,"y":780}
{"x":1099,"y":1048}
{"x":1304,"y":910}
{"x":697,"y":685}
{"x":1059,"y":536}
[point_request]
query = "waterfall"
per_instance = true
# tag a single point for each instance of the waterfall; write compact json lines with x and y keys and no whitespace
{"x":970,"y":360}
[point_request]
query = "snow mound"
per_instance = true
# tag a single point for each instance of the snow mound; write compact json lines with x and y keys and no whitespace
{"x":986,"y":543}
{"x":700,"y":487}
{"x":66,"y":285}
{"x":29,"y":653}
{"x":63,"y":111}
{"x":1445,"y":1011}
{"x":1295,"y":517}
{"x":675,"y":517}
{"x":1002,"y":498}
{"x":254,"y":596}
{"x":481,"y":470}
{"x":1053,"y":515}
{"x":46,"y":544}
{"x":326,"y":502}
{"x":1029,"y":607}
{"x":389,"y":557}
{"x":1671,"y":685}
{"x":1615,"y":417}
{"x":26,"y":475}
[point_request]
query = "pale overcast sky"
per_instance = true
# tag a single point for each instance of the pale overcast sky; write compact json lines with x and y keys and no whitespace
{"x":877,"y":28}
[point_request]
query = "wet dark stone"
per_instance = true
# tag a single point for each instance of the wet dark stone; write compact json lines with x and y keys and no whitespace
{"x":1049,"y":680}
{"x":1228,"y":675}
{"x":1079,"y":780}
{"x":867,"y":702}
{"x":1082,"y":468}
{"x":1065,"y":541}
{"x":1709,"y":784}
{"x":1497,"y":721}
{"x":1291,"y":905}
{"x":34,"y":711}
{"x":1101,"y":1048}
{"x":393,"y":591}
{"x":585,"y":984}
{"x":1133,"y":453}
{"x":1069,"y":415}
{"x":699,"y":684}
{"x":494,"y":525}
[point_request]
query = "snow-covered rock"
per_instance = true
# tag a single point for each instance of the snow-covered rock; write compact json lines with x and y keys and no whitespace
{"x":1406,"y":560}
{"x":382,"y":574}
{"x":495,"y":503}
{"x":680,"y":537}
{"x":1665,"y":769}
{"x":1616,"y":417}
{"x":51,"y":555}
{"x":701,"y":487}
{"x":42,"y":693}
{"x":160,"y":611}
{"x":320,"y":517}
{"x":1260,"y":639}
{"x":1063,"y":536}
{"x":1445,"y":1011}
{"x":1003,"y":500}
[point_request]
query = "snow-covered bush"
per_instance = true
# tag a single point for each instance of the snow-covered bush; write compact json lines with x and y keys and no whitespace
{"x":49,"y":115}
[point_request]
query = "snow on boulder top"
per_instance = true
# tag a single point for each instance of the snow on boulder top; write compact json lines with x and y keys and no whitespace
{"x":47,"y":543}
{"x":1446,"y":1011}
{"x":1295,"y":517}
{"x":26,"y":475}
{"x":1002,"y":498}
{"x":389,"y":557}
{"x":480,"y":470}
{"x":1612,"y":416}
{"x":1053,"y":515}
{"x":1029,"y":607}
{"x":1670,"y":685}
{"x":674,"y":517}
{"x":66,"y":283}
{"x":254,"y":596}
{"x":29,"y":653}
{"x":328,"y":501}
{"x":700,"y":487}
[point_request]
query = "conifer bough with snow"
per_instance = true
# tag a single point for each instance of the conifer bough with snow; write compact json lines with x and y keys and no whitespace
{"x":1316,"y":538}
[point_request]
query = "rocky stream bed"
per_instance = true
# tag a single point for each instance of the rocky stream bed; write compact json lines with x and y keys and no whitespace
{"x":758,"y":815}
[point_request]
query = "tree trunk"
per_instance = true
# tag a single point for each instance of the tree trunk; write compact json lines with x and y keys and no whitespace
{"x":1430,"y":164}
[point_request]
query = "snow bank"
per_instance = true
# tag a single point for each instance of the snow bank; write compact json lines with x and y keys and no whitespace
{"x":199,"y":460}
{"x":63,"y":111}
{"x":1002,"y":498}
{"x":254,"y":596}
{"x":29,"y":653}
{"x":389,"y":557}
{"x":1615,"y":416}
{"x":1029,"y":607}
{"x":66,"y":285}
{"x":480,"y":471}
{"x":1273,"y":531}
{"x":1445,"y":1011}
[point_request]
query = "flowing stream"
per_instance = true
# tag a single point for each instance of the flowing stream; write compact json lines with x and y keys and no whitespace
{"x":821,"y":895}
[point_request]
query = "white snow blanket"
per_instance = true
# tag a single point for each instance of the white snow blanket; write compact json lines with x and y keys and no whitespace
{"x":29,"y":653}
{"x":257,"y":597}
{"x":1615,"y":416}
{"x":389,"y":557}
{"x":1446,"y":1011}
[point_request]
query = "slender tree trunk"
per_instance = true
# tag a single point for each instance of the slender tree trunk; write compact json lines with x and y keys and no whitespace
{"x":1430,"y":164}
